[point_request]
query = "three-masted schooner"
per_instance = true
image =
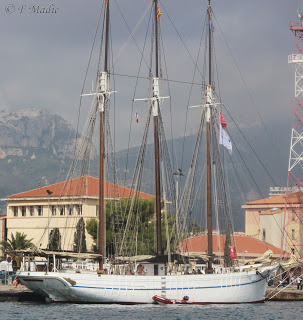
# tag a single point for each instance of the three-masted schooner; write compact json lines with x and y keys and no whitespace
{"x":100,"y":287}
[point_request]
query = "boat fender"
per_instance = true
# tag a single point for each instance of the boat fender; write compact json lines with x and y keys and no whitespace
{"x":129,"y":268}
{"x":140,"y":269}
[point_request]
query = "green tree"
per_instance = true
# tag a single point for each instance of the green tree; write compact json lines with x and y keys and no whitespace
{"x":79,"y":237}
{"x":55,"y":239}
{"x":227,"y":258}
{"x":194,"y":228}
{"x":17,"y":242}
{"x":137,"y":227}
{"x":92,"y":230}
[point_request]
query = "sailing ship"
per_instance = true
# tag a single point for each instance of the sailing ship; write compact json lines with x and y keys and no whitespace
{"x":151,"y":277}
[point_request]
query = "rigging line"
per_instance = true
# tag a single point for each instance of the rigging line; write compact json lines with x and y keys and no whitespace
{"x":162,"y":6}
{"x":82,"y":90}
{"x":165,"y":157}
{"x":216,"y":69}
{"x":130,"y":30}
{"x":187,"y":198}
{"x":253,"y":103}
{"x":114,"y":208}
{"x":132,"y":33}
{"x":162,"y":79}
{"x":174,"y":155}
{"x":86,"y":72}
{"x":240,"y":186}
{"x":242,"y":77}
{"x":254,"y":152}
{"x":216,"y":203}
{"x":223,"y":185}
{"x":255,"y":184}
{"x":80,"y":103}
{"x":111,"y":140}
{"x":137,"y":174}
{"x":132,"y":108}
{"x":188,"y":101}
{"x":89,"y":129}
{"x":151,"y":48}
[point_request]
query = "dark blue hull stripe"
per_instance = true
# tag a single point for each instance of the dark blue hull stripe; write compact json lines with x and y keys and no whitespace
{"x":167,"y":289}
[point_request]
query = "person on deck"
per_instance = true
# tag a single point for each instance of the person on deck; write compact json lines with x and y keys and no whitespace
{"x":299,"y":285}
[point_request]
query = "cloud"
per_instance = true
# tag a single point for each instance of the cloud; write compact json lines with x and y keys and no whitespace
{"x":44,"y":58}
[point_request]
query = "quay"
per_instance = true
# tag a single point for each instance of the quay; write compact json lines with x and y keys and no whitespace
{"x":283,"y":294}
{"x":19,"y":293}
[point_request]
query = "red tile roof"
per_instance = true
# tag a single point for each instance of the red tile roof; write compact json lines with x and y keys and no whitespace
{"x":242,"y":243}
{"x":296,"y":198}
{"x":82,"y":186}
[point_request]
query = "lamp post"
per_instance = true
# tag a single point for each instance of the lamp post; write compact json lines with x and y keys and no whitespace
{"x":48,"y":193}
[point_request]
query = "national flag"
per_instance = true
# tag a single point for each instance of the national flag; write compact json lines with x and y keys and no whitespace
{"x":105,"y":1}
{"x":224,"y":137}
{"x":137,"y":117}
{"x":222,"y":121}
{"x":232,"y":252}
{"x":158,"y":13}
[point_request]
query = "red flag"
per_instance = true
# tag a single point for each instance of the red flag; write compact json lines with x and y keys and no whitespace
{"x":105,"y":2}
{"x":222,"y":120}
{"x":137,"y":117}
{"x":232,"y":252}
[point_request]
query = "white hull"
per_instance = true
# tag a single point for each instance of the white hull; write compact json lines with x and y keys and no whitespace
{"x":240,"y":287}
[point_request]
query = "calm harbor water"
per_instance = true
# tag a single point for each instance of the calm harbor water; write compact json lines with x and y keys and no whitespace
{"x":32,"y":311}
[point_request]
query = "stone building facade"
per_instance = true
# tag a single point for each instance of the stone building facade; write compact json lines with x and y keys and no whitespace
{"x":37,"y":212}
{"x":277,"y":221}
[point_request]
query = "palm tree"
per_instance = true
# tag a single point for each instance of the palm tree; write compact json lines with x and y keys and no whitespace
{"x":18,"y":242}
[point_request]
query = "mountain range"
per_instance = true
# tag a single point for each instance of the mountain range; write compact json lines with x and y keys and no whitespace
{"x":37,"y":147}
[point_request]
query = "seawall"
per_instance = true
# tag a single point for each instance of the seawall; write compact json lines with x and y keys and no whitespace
{"x":19,"y":293}
{"x":284,"y":294}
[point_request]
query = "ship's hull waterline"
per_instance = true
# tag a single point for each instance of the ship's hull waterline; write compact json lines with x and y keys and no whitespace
{"x":239,"y":287}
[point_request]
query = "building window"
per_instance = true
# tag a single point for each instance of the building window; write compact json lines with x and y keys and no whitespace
{"x":293,"y":234}
{"x":263,"y":234}
{"x":62,"y":211}
{"x":40,"y":211}
{"x":15,"y":211}
{"x":53,"y":209}
{"x":70,"y":210}
{"x":97,"y":211}
{"x":23,"y":211}
{"x":31,"y":211}
{"x":79,"y":209}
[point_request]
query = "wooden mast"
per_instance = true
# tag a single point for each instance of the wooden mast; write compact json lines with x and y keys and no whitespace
{"x":102,"y":214}
{"x":156,"y":143}
{"x":208,"y":153}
